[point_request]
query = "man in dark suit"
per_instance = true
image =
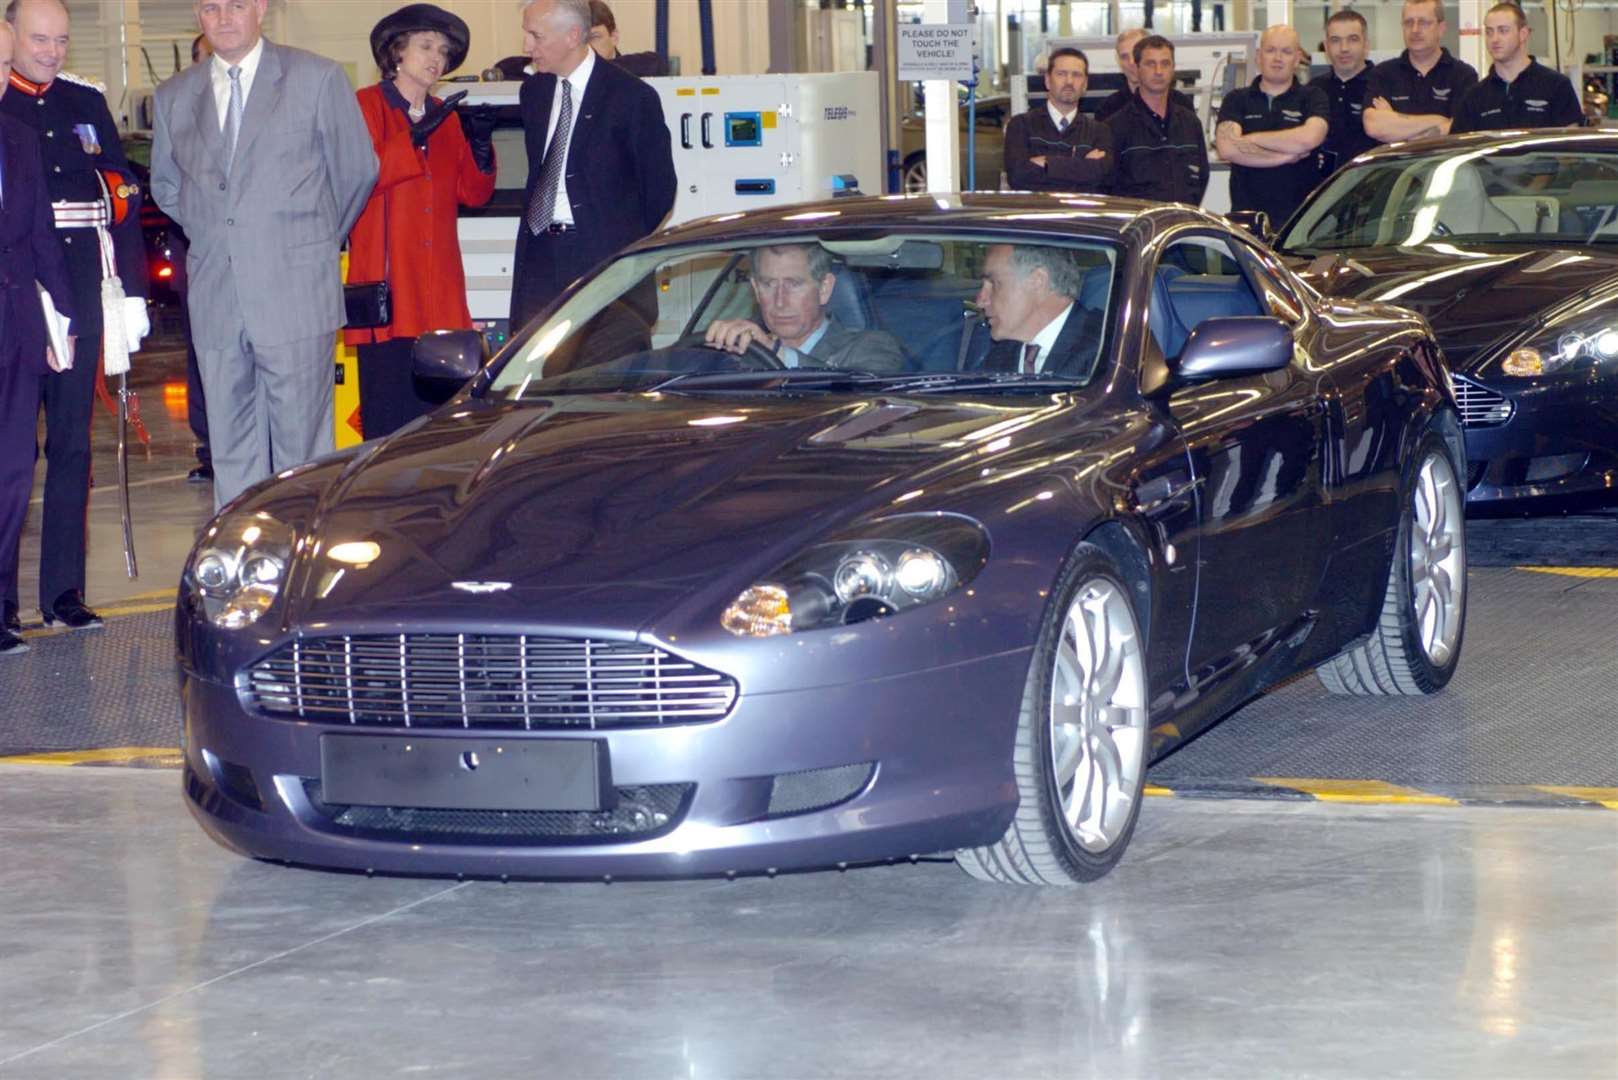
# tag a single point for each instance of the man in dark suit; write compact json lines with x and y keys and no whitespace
{"x":601,"y":172}
{"x":29,"y":252}
{"x":1030,"y":297}
{"x":793,"y":284}
{"x":1054,"y":146}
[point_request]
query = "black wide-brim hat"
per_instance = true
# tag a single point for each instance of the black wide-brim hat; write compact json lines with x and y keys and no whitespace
{"x":415,"y":17}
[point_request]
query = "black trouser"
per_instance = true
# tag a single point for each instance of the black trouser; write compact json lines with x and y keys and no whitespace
{"x":19,"y":415}
{"x":545,"y":265}
{"x":389,"y":396}
{"x":68,"y":397}
{"x":196,"y":405}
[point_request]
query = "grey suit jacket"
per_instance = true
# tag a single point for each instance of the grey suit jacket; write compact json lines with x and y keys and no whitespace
{"x":266,"y":234}
{"x":862,"y":350}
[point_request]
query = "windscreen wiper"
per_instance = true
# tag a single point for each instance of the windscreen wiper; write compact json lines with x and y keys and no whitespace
{"x":767,"y":379}
{"x":930,"y":382}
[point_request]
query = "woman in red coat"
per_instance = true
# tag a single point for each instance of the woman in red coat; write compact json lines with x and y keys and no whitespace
{"x":429,"y":168}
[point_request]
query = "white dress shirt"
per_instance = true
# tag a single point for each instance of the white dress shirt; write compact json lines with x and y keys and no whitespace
{"x":1057,"y":115}
{"x":1046,"y":340}
{"x":219,"y":74}
{"x":577,"y":82}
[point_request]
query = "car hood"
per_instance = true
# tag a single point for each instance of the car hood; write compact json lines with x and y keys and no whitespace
{"x":1473,"y":295}
{"x":616,"y":506}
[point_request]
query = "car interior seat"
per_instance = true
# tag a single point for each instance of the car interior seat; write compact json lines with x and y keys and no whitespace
{"x":850,"y":303}
{"x":1181,"y":301}
{"x":1466,"y":207}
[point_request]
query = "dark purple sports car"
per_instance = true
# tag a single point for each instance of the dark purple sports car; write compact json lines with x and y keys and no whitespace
{"x":828,"y":535}
{"x":1508,"y":244}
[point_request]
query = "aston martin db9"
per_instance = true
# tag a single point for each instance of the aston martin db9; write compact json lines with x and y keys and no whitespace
{"x":829,"y":535}
{"x":1508,"y":244}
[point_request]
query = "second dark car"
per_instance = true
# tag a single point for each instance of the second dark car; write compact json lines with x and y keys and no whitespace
{"x":1508,"y":243}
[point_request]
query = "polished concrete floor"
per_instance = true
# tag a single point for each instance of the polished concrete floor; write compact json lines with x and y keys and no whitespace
{"x":1239,"y":939}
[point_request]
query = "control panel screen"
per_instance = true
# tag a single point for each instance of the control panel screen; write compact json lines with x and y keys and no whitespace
{"x":744,"y":129}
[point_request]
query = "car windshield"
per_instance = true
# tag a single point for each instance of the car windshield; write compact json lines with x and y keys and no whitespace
{"x":1500,"y":194}
{"x":800,"y":313}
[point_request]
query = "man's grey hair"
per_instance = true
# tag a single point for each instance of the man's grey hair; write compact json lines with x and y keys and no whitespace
{"x":576,"y":12}
{"x":821,"y":262}
{"x":11,"y":10}
{"x":1067,"y":277}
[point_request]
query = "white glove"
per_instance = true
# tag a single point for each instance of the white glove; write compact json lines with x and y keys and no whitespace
{"x":137,"y":324}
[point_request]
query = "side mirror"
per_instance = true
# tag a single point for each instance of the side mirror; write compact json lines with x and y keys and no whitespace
{"x":448,"y":356}
{"x":1238,"y":345}
{"x":1256,"y":222}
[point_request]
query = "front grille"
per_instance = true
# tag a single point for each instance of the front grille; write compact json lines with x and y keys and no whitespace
{"x":490,"y":681}
{"x":1480,"y":406}
{"x":642,"y":813}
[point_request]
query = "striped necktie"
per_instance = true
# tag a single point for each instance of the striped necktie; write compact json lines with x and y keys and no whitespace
{"x":1030,"y":353}
{"x":542,"y":210}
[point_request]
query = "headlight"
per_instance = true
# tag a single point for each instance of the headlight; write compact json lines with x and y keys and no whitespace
{"x":240,"y":567}
{"x":882,"y":568}
{"x":1597,"y":344}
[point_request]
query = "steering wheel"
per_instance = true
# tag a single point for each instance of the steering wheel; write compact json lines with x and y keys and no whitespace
{"x":762,"y":357}
{"x":1440,"y":229}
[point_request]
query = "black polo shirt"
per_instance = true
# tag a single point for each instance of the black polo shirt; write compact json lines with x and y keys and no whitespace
{"x":1160,"y":158}
{"x":1437,"y":93}
{"x":1115,"y":101}
{"x":1345,"y":136}
{"x":1538,"y":97}
{"x":1279,"y":190}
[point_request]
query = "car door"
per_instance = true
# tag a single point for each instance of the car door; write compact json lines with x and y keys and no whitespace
{"x":1255,"y":444}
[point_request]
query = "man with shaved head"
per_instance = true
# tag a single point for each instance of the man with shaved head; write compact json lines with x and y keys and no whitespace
{"x":95,"y":205}
{"x":1268,"y":131}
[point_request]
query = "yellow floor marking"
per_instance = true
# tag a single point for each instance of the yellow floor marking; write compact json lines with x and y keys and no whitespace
{"x":1159,"y":792}
{"x":108,"y":755}
{"x":1574,"y":571}
{"x":139,"y":604}
{"x":1606,"y":796}
{"x":1357,"y":791}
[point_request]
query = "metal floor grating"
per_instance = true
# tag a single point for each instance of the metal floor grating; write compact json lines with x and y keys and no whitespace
{"x":1531,"y":704}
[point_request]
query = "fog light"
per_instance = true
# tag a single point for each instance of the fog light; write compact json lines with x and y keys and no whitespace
{"x":761,"y":611}
{"x":1525,"y":361}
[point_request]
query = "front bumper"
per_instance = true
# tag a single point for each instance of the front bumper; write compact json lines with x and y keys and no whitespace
{"x":938,"y":743}
{"x":1559,"y":443}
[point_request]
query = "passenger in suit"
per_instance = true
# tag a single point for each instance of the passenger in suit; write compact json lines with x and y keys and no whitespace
{"x":596,"y":183}
{"x":262,"y":157}
{"x":793,"y":284}
{"x":1030,"y":297}
{"x":29,"y":252}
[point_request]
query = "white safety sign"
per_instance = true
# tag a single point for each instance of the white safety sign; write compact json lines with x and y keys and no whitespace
{"x":935,"y":51}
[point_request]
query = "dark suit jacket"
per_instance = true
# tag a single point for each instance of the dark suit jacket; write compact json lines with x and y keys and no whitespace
{"x":620,"y":168}
{"x":1067,"y":164}
{"x":1072,"y":354}
{"x":29,"y":249}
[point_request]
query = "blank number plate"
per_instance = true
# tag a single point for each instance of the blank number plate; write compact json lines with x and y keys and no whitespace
{"x":463,"y":774}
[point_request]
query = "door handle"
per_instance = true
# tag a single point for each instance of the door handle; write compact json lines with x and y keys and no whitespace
{"x":707,"y":131}
{"x":685,"y":131}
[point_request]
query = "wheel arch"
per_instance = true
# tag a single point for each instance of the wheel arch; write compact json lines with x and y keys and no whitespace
{"x":1129,"y":551}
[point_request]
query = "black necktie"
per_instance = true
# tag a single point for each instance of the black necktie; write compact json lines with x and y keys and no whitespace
{"x":542,"y":210}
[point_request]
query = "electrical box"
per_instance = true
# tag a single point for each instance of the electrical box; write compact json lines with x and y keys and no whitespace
{"x":746,"y":141}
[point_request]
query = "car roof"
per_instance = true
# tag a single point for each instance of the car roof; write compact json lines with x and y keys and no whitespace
{"x":1063,"y":216}
{"x":1585,"y":140}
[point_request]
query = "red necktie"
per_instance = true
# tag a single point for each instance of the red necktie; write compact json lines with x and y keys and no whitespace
{"x":1030,"y":352}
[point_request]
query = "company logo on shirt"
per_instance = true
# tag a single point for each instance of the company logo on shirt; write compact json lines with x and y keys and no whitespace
{"x":1442,"y":93}
{"x":1295,"y":115}
{"x":1536,"y":104}
{"x":1356,"y":108}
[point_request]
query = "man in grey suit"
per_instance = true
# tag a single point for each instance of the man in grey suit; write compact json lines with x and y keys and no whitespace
{"x":262,"y":156}
{"x":793,"y":283}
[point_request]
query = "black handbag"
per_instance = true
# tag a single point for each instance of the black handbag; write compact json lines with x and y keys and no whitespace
{"x":368,"y":305}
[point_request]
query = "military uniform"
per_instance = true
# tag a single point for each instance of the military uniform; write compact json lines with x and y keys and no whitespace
{"x":78,"y":143}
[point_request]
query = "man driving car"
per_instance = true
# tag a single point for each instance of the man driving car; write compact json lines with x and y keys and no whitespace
{"x":793,"y":284}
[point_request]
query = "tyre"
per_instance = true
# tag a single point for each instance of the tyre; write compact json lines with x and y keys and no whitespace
{"x":1417,"y":641}
{"x":1081,"y":748}
{"x":913,"y":180}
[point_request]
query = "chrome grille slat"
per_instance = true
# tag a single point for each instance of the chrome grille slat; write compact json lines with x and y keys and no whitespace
{"x":504,"y":682}
{"x":1480,"y":406}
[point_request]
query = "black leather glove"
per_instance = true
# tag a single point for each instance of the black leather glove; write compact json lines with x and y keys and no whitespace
{"x":422,"y":130}
{"x":479,"y":122}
